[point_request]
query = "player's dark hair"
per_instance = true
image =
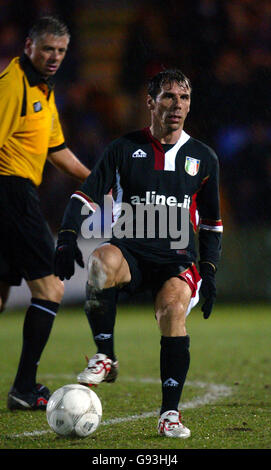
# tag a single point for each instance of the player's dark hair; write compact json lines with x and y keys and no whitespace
{"x":49,"y":25}
{"x":166,"y":76}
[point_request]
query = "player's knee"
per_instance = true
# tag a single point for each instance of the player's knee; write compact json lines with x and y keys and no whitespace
{"x":173,"y":311}
{"x":171,"y":319}
{"x":96,"y":273}
{"x":103,"y":266}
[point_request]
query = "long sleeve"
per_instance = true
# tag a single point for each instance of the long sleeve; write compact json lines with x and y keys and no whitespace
{"x":91,"y":193}
{"x":210,"y":224}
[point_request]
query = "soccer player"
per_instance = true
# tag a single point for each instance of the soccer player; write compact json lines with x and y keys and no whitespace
{"x":30,"y":133}
{"x":159,"y":166}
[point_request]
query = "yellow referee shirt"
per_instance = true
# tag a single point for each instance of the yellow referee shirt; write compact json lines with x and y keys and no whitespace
{"x":29,"y":122}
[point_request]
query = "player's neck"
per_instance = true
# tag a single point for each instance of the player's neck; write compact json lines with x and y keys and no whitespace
{"x":166,"y":136}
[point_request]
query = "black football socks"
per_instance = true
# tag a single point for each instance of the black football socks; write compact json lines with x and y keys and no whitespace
{"x":38,"y":323}
{"x":174,"y":365}
{"x":100,"y":308}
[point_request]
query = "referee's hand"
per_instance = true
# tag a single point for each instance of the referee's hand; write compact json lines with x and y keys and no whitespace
{"x":208,"y":288}
{"x":67,"y":252}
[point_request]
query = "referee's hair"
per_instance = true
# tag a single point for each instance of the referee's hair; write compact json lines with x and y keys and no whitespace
{"x":48,"y":25}
{"x":166,"y":76}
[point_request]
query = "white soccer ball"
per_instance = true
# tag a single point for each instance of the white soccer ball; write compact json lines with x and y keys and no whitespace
{"x":74,"y":410}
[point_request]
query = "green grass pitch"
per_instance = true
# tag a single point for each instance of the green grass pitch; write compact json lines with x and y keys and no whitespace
{"x":226,"y":400}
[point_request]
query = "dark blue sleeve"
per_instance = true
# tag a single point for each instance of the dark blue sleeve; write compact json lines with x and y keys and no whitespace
{"x":92,"y":191}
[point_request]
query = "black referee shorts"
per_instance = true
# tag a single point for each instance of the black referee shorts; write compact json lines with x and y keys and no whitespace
{"x":26,"y":243}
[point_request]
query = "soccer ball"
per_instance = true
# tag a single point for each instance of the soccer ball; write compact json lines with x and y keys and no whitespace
{"x":74,"y":410}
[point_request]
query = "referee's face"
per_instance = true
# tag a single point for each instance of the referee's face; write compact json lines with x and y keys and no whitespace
{"x":47,"y":52}
{"x":171,"y":106}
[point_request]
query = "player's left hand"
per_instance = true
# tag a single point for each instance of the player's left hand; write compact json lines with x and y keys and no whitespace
{"x":208,"y":288}
{"x":67,"y":252}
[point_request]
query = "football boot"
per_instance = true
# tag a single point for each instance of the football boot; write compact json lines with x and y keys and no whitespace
{"x":35,"y":399}
{"x":100,"y":369}
{"x":170,"y":425}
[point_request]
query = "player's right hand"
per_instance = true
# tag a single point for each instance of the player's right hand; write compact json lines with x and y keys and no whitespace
{"x":67,"y":252}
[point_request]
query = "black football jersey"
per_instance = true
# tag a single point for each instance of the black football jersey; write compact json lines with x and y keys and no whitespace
{"x":140,"y":171}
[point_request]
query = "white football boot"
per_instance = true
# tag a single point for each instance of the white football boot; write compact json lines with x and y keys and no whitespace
{"x":100,"y":369}
{"x":169,"y":425}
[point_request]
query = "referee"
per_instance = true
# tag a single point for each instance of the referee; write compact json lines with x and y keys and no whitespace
{"x":30,"y":133}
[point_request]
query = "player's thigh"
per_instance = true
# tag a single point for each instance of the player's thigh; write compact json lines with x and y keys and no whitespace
{"x":171,"y":304}
{"x":47,"y":288}
{"x":110,"y":260}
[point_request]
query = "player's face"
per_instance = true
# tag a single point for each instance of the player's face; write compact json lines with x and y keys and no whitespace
{"x":47,"y":52}
{"x":171,"y":106}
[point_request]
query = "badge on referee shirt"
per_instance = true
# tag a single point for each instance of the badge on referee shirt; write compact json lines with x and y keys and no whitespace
{"x":191,"y":166}
{"x":37,"y":106}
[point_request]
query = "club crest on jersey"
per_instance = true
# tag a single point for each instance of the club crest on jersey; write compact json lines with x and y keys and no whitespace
{"x":191,"y":166}
{"x":139,"y":154}
{"x":37,"y":106}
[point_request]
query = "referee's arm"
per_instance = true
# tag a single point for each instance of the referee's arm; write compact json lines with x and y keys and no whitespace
{"x":10,"y":104}
{"x":67,"y":162}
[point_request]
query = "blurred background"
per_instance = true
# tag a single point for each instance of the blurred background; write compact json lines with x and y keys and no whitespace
{"x":224,"y":47}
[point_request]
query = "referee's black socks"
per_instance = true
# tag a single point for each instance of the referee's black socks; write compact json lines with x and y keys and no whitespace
{"x":174,"y":365}
{"x":38,"y":323}
{"x":101,"y":307}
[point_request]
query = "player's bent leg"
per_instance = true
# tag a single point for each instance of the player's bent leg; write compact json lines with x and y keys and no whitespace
{"x":171,"y":305}
{"x":107,"y":268}
{"x":26,"y":393}
{"x":4,"y":293}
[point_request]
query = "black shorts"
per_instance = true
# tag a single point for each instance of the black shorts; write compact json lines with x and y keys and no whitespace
{"x":27,"y":245}
{"x":148,"y":272}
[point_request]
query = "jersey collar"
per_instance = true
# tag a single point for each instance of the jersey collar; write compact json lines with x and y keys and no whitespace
{"x":165,"y":160}
{"x":33,"y":76}
{"x":184,"y":137}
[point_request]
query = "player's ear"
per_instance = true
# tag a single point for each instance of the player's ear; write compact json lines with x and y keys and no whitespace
{"x":150,"y":103}
{"x":28,"y":46}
